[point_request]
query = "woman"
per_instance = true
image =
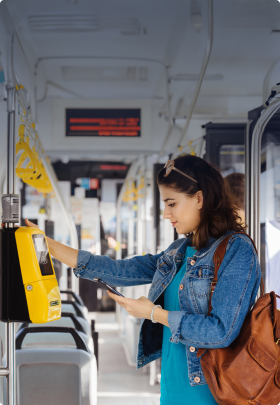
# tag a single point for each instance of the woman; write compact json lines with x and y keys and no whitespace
{"x":174,"y":316}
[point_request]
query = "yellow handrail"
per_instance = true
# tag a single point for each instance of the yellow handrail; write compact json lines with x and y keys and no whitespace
{"x":29,"y":166}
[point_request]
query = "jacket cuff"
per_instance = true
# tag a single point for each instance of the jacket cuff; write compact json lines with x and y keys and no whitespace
{"x":82,"y":261}
{"x":174,"y":322}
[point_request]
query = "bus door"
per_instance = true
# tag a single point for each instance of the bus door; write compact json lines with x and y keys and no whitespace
{"x":263,"y":201}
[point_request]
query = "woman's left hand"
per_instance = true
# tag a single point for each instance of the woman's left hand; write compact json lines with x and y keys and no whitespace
{"x":140,"y":308}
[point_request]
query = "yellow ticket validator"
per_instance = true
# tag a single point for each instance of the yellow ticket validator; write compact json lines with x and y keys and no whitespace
{"x":27,"y":271}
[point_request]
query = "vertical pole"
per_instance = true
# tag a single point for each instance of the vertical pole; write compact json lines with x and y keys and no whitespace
{"x":144,"y":220}
{"x":67,"y":215}
{"x":11,"y":364}
{"x":11,"y":140}
{"x":10,"y":335}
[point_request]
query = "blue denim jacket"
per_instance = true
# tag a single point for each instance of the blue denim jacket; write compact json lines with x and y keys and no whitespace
{"x":235,"y":293}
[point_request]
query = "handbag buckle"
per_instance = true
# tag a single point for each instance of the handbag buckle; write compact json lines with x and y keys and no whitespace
{"x":213,"y":284}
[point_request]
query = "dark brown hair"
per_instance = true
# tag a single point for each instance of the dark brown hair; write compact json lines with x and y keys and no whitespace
{"x":236,"y":182}
{"x":219,"y":211}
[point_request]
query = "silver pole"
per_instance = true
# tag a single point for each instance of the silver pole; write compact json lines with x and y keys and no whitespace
{"x":131,"y":173}
{"x":170,"y":121}
{"x":11,"y":100}
{"x":11,"y":364}
{"x":70,"y":222}
{"x":144,"y":236}
{"x":202,"y":72}
{"x":247,"y":177}
{"x":10,"y":336}
{"x":255,"y":169}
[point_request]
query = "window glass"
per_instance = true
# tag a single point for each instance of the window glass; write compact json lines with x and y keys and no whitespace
{"x":232,"y":159}
{"x":270,"y":210}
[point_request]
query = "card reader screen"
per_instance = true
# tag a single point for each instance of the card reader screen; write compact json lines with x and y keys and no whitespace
{"x":43,"y":255}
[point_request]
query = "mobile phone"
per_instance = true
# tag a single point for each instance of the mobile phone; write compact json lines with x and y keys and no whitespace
{"x":103,"y":284}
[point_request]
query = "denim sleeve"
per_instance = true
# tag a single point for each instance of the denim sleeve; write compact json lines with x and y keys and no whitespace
{"x":238,"y":283}
{"x":128,"y":272}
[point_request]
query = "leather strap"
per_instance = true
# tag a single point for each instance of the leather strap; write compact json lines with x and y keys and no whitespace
{"x":277,"y":325}
{"x":219,"y":257}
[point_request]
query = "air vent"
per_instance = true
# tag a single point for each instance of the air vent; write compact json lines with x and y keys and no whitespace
{"x":105,"y":73}
{"x":63,"y":23}
{"x":85,"y":22}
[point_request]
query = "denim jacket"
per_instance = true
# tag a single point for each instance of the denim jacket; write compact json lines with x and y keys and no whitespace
{"x":238,"y":282}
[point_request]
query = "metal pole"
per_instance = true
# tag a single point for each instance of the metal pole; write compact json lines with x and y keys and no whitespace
{"x":67,"y":215}
{"x":11,"y":366}
{"x":145,"y":247}
{"x":11,"y":99}
{"x":265,"y":117}
{"x":247,"y":176}
{"x":170,"y":121}
{"x":203,"y":70}
{"x":131,"y":172}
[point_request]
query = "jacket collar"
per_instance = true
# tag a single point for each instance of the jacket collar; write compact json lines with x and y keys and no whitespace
{"x":179,"y":249}
{"x":211,"y":243}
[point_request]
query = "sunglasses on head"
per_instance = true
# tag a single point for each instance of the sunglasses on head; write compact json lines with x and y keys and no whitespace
{"x":170,"y":165}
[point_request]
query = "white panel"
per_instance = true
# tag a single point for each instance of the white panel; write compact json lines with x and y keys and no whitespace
{"x":109,"y":190}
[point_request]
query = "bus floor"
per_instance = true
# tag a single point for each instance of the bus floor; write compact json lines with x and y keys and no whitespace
{"x":119,"y":383}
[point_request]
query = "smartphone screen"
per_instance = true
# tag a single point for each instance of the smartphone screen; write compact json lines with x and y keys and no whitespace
{"x":103,"y":284}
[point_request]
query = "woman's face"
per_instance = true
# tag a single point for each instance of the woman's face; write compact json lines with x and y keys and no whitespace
{"x":182,"y":210}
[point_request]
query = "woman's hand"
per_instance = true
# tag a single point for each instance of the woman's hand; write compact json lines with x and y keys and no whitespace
{"x":140,"y":308}
{"x":30,"y":224}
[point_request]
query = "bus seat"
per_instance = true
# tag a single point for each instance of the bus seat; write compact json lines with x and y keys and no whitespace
{"x":67,"y":320}
{"x":77,"y":299}
{"x":71,"y":306}
{"x":55,"y":375}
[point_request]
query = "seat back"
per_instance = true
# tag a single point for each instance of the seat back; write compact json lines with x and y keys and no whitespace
{"x":75,"y":296}
{"x":66,"y":320}
{"x":53,"y":375}
{"x":73,"y":307}
{"x":77,"y":299}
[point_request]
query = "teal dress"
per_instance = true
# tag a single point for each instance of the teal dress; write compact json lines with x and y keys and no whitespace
{"x":175,"y":386}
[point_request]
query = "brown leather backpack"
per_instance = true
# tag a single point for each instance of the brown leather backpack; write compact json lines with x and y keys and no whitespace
{"x":248,"y":371}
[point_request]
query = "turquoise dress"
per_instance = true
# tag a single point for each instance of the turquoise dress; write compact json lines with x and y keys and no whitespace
{"x":175,"y":386}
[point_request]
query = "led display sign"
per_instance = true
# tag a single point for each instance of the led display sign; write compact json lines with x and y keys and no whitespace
{"x":103,"y":122}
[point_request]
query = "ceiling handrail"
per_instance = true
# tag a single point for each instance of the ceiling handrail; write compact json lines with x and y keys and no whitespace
{"x":202,"y":72}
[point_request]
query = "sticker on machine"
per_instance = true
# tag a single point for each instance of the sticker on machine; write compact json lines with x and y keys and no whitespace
{"x":54,"y":303}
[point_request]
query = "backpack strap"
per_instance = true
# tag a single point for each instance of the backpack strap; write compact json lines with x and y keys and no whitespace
{"x":219,"y":257}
